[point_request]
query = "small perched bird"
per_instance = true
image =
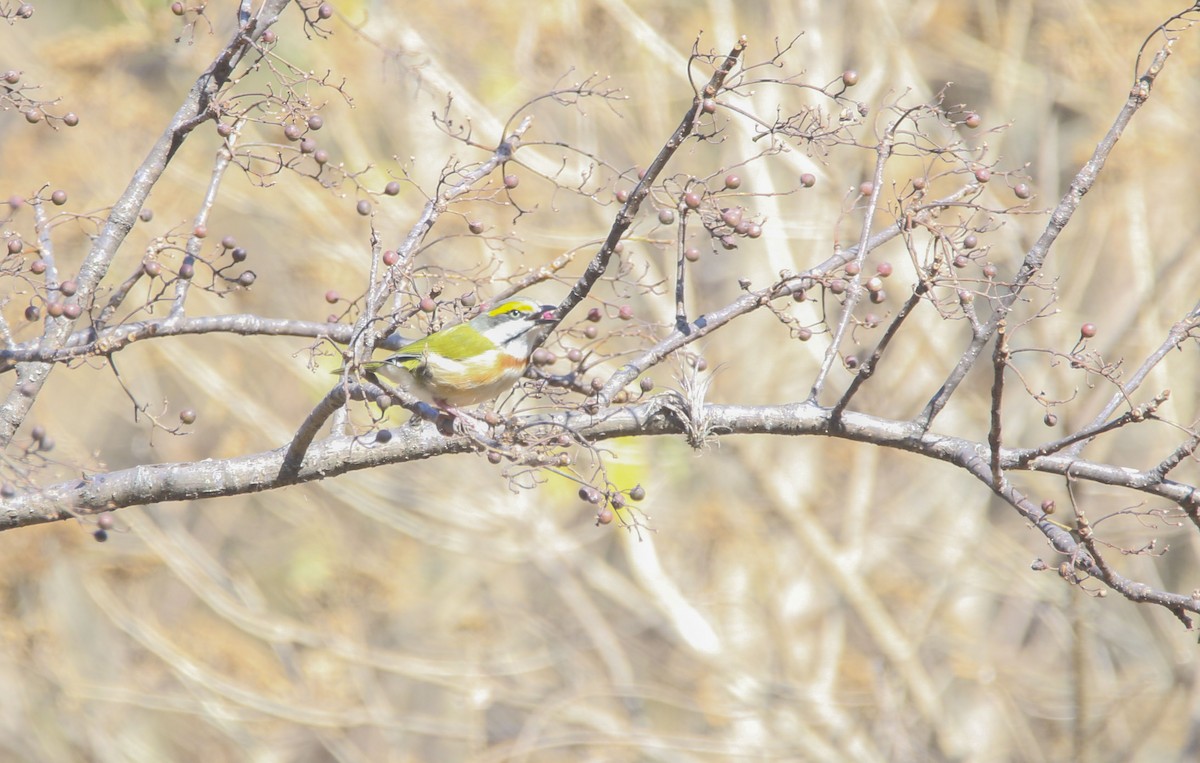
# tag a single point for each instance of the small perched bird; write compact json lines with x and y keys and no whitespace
{"x":471,"y":362}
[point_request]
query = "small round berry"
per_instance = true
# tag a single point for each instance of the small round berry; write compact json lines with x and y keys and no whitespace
{"x":32,"y":313}
{"x":753,"y":230}
{"x":54,"y":309}
{"x":390,"y":257}
{"x":392,"y":188}
{"x":69,"y":287}
{"x":622,"y":196}
{"x":625,"y":312}
{"x":246,"y":278}
{"x":269,"y":36}
{"x":972,"y":120}
{"x":838,"y":286}
{"x":866,"y":188}
{"x":33,"y":116}
{"x":59,"y":197}
{"x":427,"y":304}
{"x":961,"y":261}
{"x":100,"y":536}
{"x":691,"y":254}
{"x":965,"y":296}
{"x":799,"y":296}
{"x":596,"y":384}
{"x":851,"y":362}
{"x":919,"y":184}
{"x":200,"y":231}
{"x":970,"y":241}
{"x":808,"y":180}
{"x":383,"y":436}
{"x":7,"y":490}
{"x":708,"y":106}
{"x":692,"y":200}
{"x":321,"y":156}
{"x":594,"y":315}
{"x":11,"y":77}
{"x":228,"y":242}
{"x":72,"y":310}
{"x":187,"y":416}
{"x":637,"y":493}
{"x":224,"y":130}
{"x":475,"y":226}
{"x":316,"y":122}
{"x":849,"y":78}
{"x":591,"y":332}
{"x":47,"y":443}
{"x":177,"y":8}
{"x":604,"y":517}
{"x":307,"y":146}
{"x":187,"y":270}
{"x":1050,"y":419}
{"x":701,"y":364}
{"x":983,"y":174}
{"x":468,"y":300}
{"x":1022,"y":191}
{"x":1048,"y":506}
{"x":884,"y":269}
{"x":733,"y":181}
{"x":238,"y":254}
{"x":542,"y":357}
{"x":324,"y":11}
{"x":363,"y":207}
{"x":15,"y":245}
{"x":731,"y":216}
{"x":989,"y":270}
{"x":511,"y":181}
{"x":742,"y":228}
{"x":15,"y":202}
{"x":666,"y":216}
{"x":875,"y":284}
{"x":590,"y":494}
{"x":332,"y":296}
{"x":105,"y":520}
{"x":146,"y":214}
{"x":1087,"y":330}
{"x":292,"y":132}
{"x":852,"y":268}
{"x":646,"y":384}
{"x":574,"y":355}
{"x":70,"y":119}
{"x":37,"y":267}
{"x":878,"y":297}
{"x":151,"y":267}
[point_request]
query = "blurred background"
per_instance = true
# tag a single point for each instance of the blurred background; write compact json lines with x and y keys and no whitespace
{"x":792,"y":599}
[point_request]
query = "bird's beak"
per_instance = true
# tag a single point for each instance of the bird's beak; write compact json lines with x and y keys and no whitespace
{"x":547,"y":314}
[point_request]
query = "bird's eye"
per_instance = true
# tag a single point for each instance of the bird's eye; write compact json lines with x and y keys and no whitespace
{"x":514,"y":313}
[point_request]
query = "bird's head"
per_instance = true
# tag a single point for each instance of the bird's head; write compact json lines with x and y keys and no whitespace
{"x":516,"y":324}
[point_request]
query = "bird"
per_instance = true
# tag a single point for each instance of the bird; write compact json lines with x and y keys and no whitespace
{"x":470,"y":363}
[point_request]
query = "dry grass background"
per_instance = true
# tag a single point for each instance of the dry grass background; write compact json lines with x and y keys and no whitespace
{"x":799,"y":600}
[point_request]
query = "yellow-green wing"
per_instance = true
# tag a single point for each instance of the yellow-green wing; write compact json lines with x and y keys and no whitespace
{"x":456,"y":343}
